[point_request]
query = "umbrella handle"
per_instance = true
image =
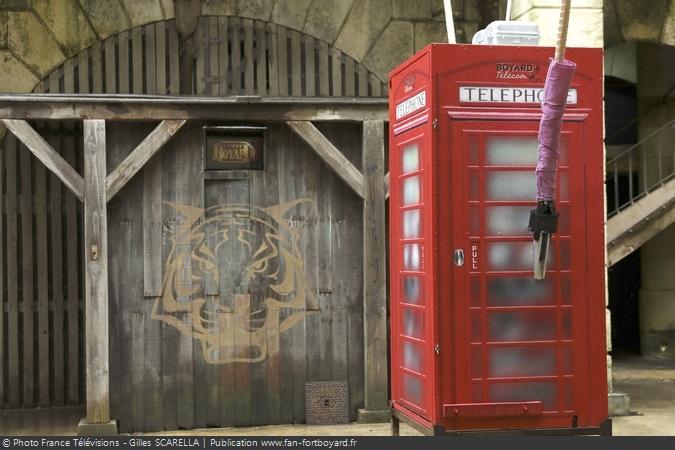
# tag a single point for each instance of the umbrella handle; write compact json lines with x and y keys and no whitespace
{"x":562,"y":30}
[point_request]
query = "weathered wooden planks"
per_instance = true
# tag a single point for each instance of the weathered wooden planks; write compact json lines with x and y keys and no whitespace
{"x":329,"y":154}
{"x":42,"y":272}
{"x":96,"y":273}
{"x":46,"y":154}
{"x":374,"y":273}
{"x":13,"y":377}
{"x":150,"y":145}
{"x":27,"y":297}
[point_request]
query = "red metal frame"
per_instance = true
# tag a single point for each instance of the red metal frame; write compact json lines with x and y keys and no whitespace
{"x":442,"y":346}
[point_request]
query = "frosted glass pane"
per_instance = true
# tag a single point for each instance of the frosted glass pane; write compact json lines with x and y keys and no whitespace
{"x":511,"y":150}
{"x":521,"y":326}
{"x":411,"y":257}
{"x":520,"y":291}
{"x":507,"y":220}
{"x":411,"y":158}
{"x":412,"y":356}
{"x":513,"y":256}
{"x":545,"y":391}
{"x":521,"y":361}
{"x":476,"y":362}
{"x":411,"y":289}
{"x":412,"y":389}
{"x":411,"y":190}
{"x":411,"y":224}
{"x":412,"y":323}
{"x":511,"y":185}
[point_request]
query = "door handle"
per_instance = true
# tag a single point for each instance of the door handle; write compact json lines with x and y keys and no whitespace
{"x":458,"y":257}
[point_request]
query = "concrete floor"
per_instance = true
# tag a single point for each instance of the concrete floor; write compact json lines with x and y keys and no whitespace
{"x":651,"y":386}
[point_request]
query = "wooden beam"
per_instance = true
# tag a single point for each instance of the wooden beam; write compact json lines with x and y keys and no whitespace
{"x":142,"y":107}
{"x":47,"y":155}
{"x":96,"y":273}
{"x":374,"y":270}
{"x":141,"y":154}
{"x":329,"y":154}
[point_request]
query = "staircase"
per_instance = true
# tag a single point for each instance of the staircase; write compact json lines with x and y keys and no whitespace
{"x":640,"y":185}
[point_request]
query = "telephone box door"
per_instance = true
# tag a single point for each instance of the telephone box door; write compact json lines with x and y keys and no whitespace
{"x":519,"y":342}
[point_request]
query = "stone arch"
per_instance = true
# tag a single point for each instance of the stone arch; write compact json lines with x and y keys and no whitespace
{"x":631,"y":20}
{"x":233,"y":56}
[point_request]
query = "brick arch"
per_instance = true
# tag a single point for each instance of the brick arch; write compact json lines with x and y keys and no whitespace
{"x":233,"y":56}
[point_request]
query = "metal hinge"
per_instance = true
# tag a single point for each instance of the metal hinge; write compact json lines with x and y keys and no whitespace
{"x":434,"y":123}
{"x":437,"y":349}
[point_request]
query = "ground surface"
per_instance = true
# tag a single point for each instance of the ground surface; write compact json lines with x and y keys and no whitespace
{"x":651,"y":386}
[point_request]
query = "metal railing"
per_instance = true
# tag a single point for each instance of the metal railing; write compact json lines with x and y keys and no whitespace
{"x":640,"y":169}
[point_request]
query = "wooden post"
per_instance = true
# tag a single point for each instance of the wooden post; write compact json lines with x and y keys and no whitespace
{"x":96,"y":279}
{"x":374,"y":276}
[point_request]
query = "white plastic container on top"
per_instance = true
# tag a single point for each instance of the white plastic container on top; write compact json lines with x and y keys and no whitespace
{"x":508,"y":32}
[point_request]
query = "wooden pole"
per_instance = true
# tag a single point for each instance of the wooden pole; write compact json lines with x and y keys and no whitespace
{"x":96,"y":272}
{"x":449,"y":22}
{"x":562,"y":30}
{"x":374,"y":269}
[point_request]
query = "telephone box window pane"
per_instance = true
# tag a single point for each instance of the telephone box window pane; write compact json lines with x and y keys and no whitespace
{"x":501,"y":185}
{"x":520,"y":291}
{"x":567,"y":323}
{"x":412,"y":290}
{"x":411,"y":158}
{"x":412,"y":356}
{"x":521,"y":361}
{"x":411,"y":190}
{"x":513,"y":256}
{"x":507,"y":220}
{"x":515,"y":326}
{"x":412,"y":323}
{"x":566,"y":289}
{"x":475,"y":291}
{"x":412,"y":389}
{"x":476,"y":362}
{"x":412,"y":259}
{"x":475,"y":327}
{"x":511,"y":150}
{"x":473,"y":150}
{"x":474,"y":185}
{"x":566,"y":361}
{"x":411,"y":224}
{"x":565,"y":256}
{"x":544,"y":391}
{"x":567,"y":395}
{"x":474,"y":221}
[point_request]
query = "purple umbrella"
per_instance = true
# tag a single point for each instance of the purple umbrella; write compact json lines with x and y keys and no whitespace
{"x":544,"y":219}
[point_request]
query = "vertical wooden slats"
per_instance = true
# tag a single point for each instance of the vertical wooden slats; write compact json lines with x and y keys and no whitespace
{"x":336,"y":73}
{"x":375,"y":86}
{"x":137,"y":60}
{"x":296,"y":64}
{"x":214,"y":80}
{"x":57,"y":264}
{"x":123,"y":62}
{"x":83,"y":72}
{"x":27,"y":298}
{"x":282,"y":57}
{"x":223,"y":56}
{"x":73,"y":282}
{"x":160,"y":55}
{"x":97,"y":68}
{"x":248,"y":57}
{"x":42,"y":264}
{"x":260,"y":59}
{"x":273,"y":55}
{"x":235,"y":54}
{"x":110,"y":66}
{"x":310,"y":66}
{"x":350,"y":80}
{"x":13,"y":390}
{"x":150,"y":62}
{"x":174,"y":63}
{"x":324,"y":72}
{"x":202,"y":77}
{"x":363,"y":81}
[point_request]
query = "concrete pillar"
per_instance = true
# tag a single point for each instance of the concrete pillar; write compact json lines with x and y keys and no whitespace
{"x":586,"y":20}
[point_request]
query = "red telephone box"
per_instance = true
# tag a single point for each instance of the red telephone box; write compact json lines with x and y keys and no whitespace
{"x":476,"y":343}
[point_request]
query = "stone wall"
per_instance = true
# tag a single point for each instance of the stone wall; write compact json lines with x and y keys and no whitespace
{"x":37,"y":35}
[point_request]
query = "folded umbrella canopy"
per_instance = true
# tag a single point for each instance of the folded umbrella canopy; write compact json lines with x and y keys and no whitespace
{"x":544,"y":219}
